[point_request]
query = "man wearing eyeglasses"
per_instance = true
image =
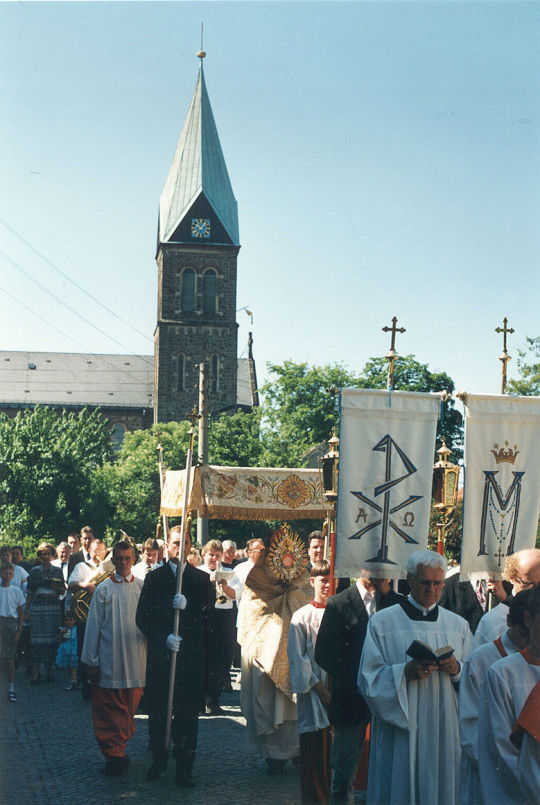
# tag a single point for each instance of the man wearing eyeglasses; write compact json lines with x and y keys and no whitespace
{"x":522,"y":570}
{"x":415,"y":747}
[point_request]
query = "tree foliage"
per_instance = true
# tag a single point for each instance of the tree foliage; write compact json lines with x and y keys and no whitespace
{"x":48,"y":462}
{"x":529,"y":367}
{"x":300,"y":409}
{"x":132,"y":479}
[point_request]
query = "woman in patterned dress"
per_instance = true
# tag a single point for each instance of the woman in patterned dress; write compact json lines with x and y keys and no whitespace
{"x":43,"y":611}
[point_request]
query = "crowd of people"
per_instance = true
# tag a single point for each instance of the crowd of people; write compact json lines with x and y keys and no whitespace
{"x":439,"y":690}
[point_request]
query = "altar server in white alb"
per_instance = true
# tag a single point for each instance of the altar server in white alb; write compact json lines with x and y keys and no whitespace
{"x":509,"y":750}
{"x":115,"y":652}
{"x":310,"y":683}
{"x":522,"y":570}
{"x":415,"y":748}
{"x":472,"y":690}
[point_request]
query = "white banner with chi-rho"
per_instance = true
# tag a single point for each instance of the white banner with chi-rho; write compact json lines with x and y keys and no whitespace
{"x":386,"y":454}
{"x":502,"y":481}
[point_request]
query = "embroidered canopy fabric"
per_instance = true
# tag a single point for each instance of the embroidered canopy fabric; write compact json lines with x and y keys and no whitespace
{"x":387,"y":444}
{"x":502,"y":481}
{"x":246,"y":493}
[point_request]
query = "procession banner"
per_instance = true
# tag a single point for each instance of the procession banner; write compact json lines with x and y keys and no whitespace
{"x":502,"y":481}
{"x":247,"y":493}
{"x":387,"y":446}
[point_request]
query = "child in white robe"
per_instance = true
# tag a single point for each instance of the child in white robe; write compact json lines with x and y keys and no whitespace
{"x":309,"y":682}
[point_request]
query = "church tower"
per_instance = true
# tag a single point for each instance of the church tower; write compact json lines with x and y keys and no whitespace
{"x":198,"y":245}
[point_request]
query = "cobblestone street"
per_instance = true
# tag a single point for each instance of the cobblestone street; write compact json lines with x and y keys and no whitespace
{"x":49,"y":757}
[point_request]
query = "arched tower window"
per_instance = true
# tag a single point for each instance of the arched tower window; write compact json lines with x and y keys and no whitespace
{"x":214,"y":374}
{"x":181,"y":385}
{"x":188,"y":290}
{"x":210,"y":291}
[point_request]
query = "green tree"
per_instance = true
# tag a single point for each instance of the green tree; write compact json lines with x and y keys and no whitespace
{"x":411,"y":375}
{"x":300,"y":409}
{"x":529,"y":367}
{"x":132,"y":479}
{"x":47,"y":469}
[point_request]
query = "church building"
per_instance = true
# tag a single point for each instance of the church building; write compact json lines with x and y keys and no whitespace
{"x":197,"y":251}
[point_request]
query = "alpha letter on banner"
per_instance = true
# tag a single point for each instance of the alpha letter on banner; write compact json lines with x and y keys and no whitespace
{"x":386,"y":452}
{"x":502,"y":481}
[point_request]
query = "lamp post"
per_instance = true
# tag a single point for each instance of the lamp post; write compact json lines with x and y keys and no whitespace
{"x":445,"y":489}
{"x":329,"y":467}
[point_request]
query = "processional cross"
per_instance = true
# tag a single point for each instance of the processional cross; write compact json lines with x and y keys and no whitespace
{"x":504,"y":357}
{"x":391,"y":355}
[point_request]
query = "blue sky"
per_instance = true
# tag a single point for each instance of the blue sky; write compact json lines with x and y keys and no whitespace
{"x":385,"y":158}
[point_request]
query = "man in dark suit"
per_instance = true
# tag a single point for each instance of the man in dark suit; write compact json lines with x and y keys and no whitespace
{"x":155,"y":619}
{"x":462,"y":597}
{"x":87,"y":538}
{"x":338,"y":649}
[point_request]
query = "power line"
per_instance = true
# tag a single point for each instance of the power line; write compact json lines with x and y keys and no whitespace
{"x":114,"y":368}
{"x":43,"y":287}
{"x":68,"y":278}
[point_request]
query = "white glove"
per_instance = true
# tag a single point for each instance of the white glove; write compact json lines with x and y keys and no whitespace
{"x":179,"y":601}
{"x":173,"y":643}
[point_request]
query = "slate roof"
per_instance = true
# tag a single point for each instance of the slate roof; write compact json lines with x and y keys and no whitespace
{"x":198,"y":167}
{"x":78,"y":379}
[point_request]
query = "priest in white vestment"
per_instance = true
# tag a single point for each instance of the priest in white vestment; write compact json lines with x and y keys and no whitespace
{"x":265,"y":611}
{"x":472,"y":690}
{"x":415,"y":747}
{"x":115,"y":653}
{"x":508,"y":761}
{"x":522,"y":570}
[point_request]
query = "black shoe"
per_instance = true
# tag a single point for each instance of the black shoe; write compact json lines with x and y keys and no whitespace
{"x":115,"y":766}
{"x":159,"y":765}
{"x":275,"y":766}
{"x":184,"y":779}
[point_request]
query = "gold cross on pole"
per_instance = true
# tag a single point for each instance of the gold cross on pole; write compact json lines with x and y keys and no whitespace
{"x":391,"y":355}
{"x":504,"y":357}
{"x":499,"y":555}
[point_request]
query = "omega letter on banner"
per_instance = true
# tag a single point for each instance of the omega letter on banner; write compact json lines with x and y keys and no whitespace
{"x":386,"y":453}
{"x":502,"y":481}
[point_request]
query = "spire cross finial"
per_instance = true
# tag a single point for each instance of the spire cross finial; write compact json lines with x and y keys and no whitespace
{"x":504,"y":357}
{"x":392,"y":354}
{"x":201,"y":54}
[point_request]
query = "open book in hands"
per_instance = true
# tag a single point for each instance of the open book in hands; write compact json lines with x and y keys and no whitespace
{"x":422,"y":652}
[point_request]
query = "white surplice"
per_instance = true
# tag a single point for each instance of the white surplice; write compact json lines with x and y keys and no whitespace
{"x":491,"y":625}
{"x":415,"y":748}
{"x":305,"y":673}
{"x":112,"y":640}
{"x":508,"y":685}
{"x":529,"y":769}
{"x":471,"y":690}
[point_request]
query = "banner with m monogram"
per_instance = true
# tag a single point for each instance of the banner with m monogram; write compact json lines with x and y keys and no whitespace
{"x":502,"y":481}
{"x":386,"y":454}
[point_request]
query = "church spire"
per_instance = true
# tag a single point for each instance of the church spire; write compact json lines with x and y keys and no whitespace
{"x":198,"y":182}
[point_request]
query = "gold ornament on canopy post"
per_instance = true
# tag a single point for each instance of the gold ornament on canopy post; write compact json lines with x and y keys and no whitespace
{"x":445,"y":489}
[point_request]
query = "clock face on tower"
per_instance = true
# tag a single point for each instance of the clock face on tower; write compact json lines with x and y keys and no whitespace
{"x":200,"y":227}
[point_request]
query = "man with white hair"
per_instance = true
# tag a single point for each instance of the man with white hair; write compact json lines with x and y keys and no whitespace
{"x":415,"y":747}
{"x":522,"y":570}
